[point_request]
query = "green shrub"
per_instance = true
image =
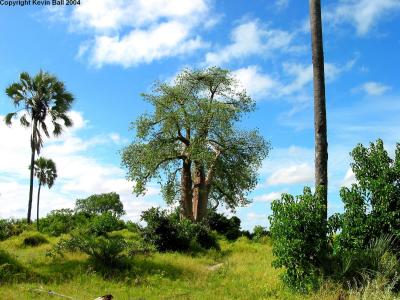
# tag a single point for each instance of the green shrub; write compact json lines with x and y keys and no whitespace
{"x":164,"y":232}
{"x":11,"y":227}
{"x":229,"y":227}
{"x":107,"y":222}
{"x":103,"y":251}
{"x":61,"y":221}
{"x":167,"y":232}
{"x":259,"y":232}
{"x":133,"y":227}
{"x":377,"y":261}
{"x":100,"y":204}
{"x":372,"y":205}
{"x":299,"y":239}
{"x":35,"y":240}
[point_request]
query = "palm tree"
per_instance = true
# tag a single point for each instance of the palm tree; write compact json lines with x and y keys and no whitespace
{"x":46,"y":172}
{"x":41,"y":98}
{"x":321,"y":144}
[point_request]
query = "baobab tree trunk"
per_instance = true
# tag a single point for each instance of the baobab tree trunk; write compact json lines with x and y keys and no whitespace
{"x":37,"y":206}
{"x":33,"y":143}
{"x":200,"y":194}
{"x":321,"y":144}
{"x":186,"y":190}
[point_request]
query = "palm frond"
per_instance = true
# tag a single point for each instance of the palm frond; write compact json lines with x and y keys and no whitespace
{"x":67,"y":120}
{"x":16,"y":92}
{"x":57,"y":129}
{"x":9,"y":117}
{"x":24,"y":122}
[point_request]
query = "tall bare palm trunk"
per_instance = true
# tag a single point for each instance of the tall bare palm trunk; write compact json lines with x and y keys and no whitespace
{"x":37,"y":206}
{"x":33,"y":142}
{"x":321,"y":144}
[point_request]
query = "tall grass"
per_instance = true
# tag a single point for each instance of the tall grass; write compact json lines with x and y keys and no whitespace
{"x":245,"y":273}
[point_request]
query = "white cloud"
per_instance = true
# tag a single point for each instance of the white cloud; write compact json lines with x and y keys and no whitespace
{"x":294,"y":174}
{"x":131,"y":32}
{"x":257,"y":84}
{"x":254,"y":217}
{"x":111,"y":15}
{"x":349,"y":178}
{"x":80,"y":173}
{"x":374,"y":88}
{"x":281,"y":4}
{"x":293,"y":81}
{"x":268,"y":197}
{"x":362,"y":14}
{"x":251,"y":38}
{"x":164,"y":40}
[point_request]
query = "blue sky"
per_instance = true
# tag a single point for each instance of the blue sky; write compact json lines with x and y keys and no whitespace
{"x":108,"y":52}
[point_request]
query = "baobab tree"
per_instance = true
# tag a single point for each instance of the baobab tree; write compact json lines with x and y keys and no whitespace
{"x":192,"y":132}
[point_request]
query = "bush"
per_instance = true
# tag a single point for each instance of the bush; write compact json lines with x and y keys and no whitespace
{"x":107,"y":222}
{"x":133,"y":227}
{"x":168,"y":233}
{"x":11,"y":227}
{"x":372,"y":205}
{"x":104,"y":250}
{"x":61,"y":221}
{"x":230,"y":228}
{"x":100,"y":204}
{"x":376,"y":262}
{"x":259,"y":232}
{"x":35,"y":240}
{"x":299,"y":239}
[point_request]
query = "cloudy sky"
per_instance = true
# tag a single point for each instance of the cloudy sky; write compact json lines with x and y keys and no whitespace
{"x":109,"y":51}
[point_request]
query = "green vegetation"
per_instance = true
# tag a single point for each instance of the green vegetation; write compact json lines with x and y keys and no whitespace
{"x":245,"y":273}
{"x":192,"y":251}
{"x":299,"y":239}
{"x":358,"y":248}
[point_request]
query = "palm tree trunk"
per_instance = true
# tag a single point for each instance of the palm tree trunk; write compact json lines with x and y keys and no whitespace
{"x":321,"y":144}
{"x":33,"y":141}
{"x":37,"y":208}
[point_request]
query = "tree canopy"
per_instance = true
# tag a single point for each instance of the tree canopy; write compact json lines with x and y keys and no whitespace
{"x":100,"y":204}
{"x":192,"y":132}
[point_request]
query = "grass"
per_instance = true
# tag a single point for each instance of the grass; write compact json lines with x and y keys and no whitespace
{"x":245,"y":273}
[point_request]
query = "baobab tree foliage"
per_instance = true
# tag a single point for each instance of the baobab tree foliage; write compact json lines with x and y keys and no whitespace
{"x":191,"y":145}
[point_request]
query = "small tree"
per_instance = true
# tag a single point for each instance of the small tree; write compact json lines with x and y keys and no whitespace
{"x":100,"y":204}
{"x":372,"y":205}
{"x":46,"y":172}
{"x":42,"y":97}
{"x":192,"y":132}
{"x":299,"y":239}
